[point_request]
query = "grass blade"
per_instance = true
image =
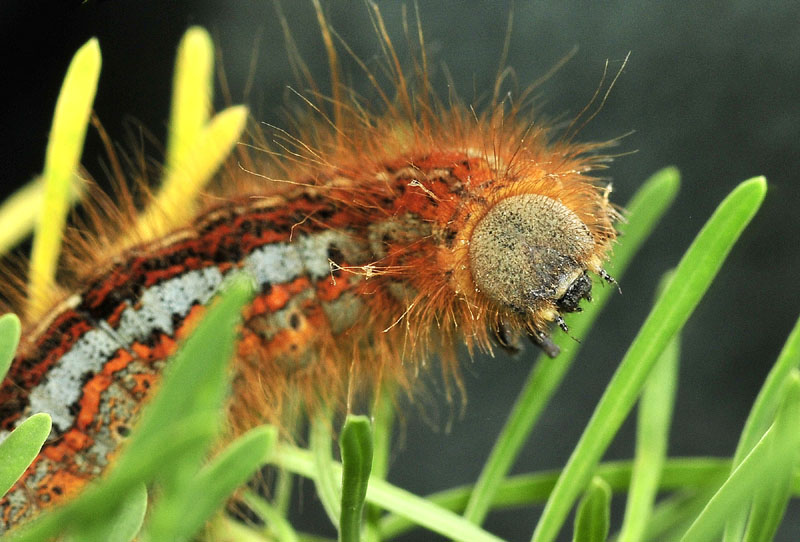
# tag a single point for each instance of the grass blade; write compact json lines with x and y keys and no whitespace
{"x":762,"y":413}
{"x":383,"y":420}
{"x":772,"y":459}
{"x":276,"y":523}
{"x":692,"y":278}
{"x":180,"y":514}
{"x":355,"y":443}
{"x":524,"y":490}
{"x":652,"y":435}
{"x":325,"y":481}
{"x":196,"y":146}
{"x":123,"y":525}
{"x":769,"y":506}
{"x":19,"y":212}
{"x":644,"y":211}
{"x":594,"y":513}
{"x":673,"y":515}
{"x":393,"y":499}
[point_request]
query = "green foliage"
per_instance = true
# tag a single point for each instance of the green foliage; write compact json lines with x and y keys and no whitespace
{"x":356,"y":448}
{"x":594,"y":513}
{"x":20,"y":448}
{"x":9,"y":339}
{"x":652,"y":432}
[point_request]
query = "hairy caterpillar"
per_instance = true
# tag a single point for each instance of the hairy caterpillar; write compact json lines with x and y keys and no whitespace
{"x":376,"y":237}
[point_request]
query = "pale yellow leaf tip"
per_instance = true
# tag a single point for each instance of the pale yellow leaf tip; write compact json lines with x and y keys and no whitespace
{"x":184,"y":181}
{"x":192,"y":92}
{"x":20,"y":211}
{"x":62,"y":160}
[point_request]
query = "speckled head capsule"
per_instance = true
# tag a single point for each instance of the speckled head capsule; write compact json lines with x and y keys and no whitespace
{"x":531,"y":253}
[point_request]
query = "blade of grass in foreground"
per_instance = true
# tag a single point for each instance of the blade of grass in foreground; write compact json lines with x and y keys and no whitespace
{"x":383,"y":417}
{"x":762,"y":413}
{"x":652,"y":435}
{"x":594,"y":513}
{"x":773,"y":458}
{"x":685,"y":473}
{"x":185,"y":509}
{"x":692,"y":278}
{"x":355,"y":443}
{"x":325,"y":482}
{"x":644,"y":211}
{"x":391,"y":498}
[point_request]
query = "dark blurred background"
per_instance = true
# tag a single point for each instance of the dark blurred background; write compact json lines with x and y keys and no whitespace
{"x":710,"y":87}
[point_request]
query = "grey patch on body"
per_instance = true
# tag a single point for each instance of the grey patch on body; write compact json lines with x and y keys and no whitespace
{"x":279,"y":263}
{"x":63,"y":384}
{"x":159,"y":302}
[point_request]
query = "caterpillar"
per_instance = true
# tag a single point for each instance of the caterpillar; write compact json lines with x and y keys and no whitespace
{"x":377,"y":237}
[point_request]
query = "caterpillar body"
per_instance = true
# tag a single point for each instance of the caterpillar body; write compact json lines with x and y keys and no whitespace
{"x":375,"y":241}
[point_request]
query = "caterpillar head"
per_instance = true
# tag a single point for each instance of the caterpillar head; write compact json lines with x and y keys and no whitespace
{"x":530,"y":255}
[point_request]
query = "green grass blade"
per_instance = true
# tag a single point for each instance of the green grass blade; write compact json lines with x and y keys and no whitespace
{"x":692,"y":278}
{"x":325,"y":481}
{"x":10,"y":330}
{"x":355,"y":444}
{"x":62,"y":158}
{"x":277,"y":524}
{"x":283,"y":492}
{"x":393,"y":499}
{"x":652,"y":435}
{"x":383,"y":420}
{"x":644,"y":211}
{"x":594,"y":513}
{"x":769,"y":507}
{"x":773,"y":458}
{"x":687,"y":473}
{"x":762,"y":413}
{"x":122,"y":526}
{"x":126,"y":525}
{"x":673,"y":515}
{"x":182,"y":513}
{"x":21,"y":447}
{"x":18,"y":214}
{"x":227,"y":529}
